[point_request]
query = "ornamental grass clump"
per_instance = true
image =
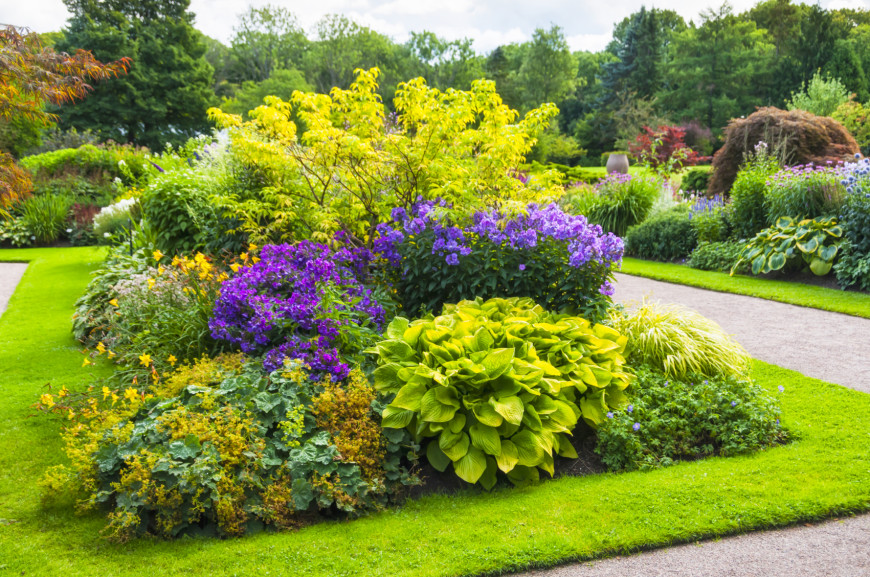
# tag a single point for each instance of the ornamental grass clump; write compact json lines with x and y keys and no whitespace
{"x":678,"y":341}
{"x":623,"y":200}
{"x":498,"y":385}
{"x":559,"y":260}
{"x":300,"y":301}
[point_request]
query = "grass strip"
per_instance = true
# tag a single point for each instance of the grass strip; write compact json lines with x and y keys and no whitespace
{"x":838,"y":301}
{"x":822,"y":473}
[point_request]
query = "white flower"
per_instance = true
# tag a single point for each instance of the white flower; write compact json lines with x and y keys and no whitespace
{"x":107,"y":235}
{"x":122,"y":163}
{"x":69,"y":230}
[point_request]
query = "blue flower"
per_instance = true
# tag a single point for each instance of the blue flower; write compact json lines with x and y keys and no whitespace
{"x":522,"y":267}
{"x":636,"y":427}
{"x":609,"y":415}
{"x":733,"y":403}
{"x":781,"y":388}
{"x":630,"y":408}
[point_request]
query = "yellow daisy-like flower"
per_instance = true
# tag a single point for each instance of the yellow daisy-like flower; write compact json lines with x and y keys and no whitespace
{"x":106,"y":393}
{"x":86,"y":362}
{"x":131,"y":394}
{"x":145,"y":360}
{"x":172,"y":360}
{"x":101,"y":347}
{"x":157,"y":255}
{"x":113,"y":302}
{"x":47,"y":400}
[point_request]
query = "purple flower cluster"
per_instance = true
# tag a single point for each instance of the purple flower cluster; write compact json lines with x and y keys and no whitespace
{"x":705,"y":204}
{"x":449,"y":241}
{"x":855,"y":176}
{"x":295,"y":303}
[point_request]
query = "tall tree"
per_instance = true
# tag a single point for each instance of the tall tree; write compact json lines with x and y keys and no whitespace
{"x":164,"y":97}
{"x":267,"y":39}
{"x":445,"y":63}
{"x":549,"y":70}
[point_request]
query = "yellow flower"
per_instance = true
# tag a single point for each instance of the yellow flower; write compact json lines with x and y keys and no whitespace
{"x":235,"y":267}
{"x":172,"y":360}
{"x":111,"y":354}
{"x":86,"y":362}
{"x":131,"y":394}
{"x":101,"y":347}
{"x":106,"y":393}
{"x":256,"y":259}
{"x":70,"y":415}
{"x":151,"y":283}
{"x":176,"y":261}
{"x":47,"y":400}
{"x":114,"y":398}
{"x":145,"y":360}
{"x":113,"y":302}
{"x":157,"y":255}
{"x":244,"y":256}
{"x":63,"y":391}
{"x":252,"y":247}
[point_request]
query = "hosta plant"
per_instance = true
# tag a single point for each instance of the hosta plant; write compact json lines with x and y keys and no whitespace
{"x":816,"y":240}
{"x":498,"y":385}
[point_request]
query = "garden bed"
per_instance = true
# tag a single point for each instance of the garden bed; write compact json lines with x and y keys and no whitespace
{"x":823,"y":473}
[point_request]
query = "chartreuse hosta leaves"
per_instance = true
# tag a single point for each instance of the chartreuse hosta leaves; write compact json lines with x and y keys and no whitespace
{"x":816,"y":240}
{"x":498,"y":385}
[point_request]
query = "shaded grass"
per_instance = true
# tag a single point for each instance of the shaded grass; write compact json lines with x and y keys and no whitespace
{"x":849,"y":303}
{"x":823,"y":473}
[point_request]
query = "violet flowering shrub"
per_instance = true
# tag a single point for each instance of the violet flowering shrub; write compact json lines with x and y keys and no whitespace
{"x":804,"y":191}
{"x":559,"y":260}
{"x":301,"y":301}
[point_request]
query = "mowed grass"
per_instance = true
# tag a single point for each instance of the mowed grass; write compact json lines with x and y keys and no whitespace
{"x":824,"y":472}
{"x":850,"y":303}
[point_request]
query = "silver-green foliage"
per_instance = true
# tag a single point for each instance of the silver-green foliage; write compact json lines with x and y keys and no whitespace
{"x":498,"y":385}
{"x":816,"y":240}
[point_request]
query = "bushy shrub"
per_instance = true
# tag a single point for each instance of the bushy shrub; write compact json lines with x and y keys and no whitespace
{"x":45,"y":216}
{"x":231,"y":450}
{"x":96,"y":163}
{"x":14,"y":233}
{"x":666,"y":236}
{"x":856,"y":118}
{"x":300,"y":301}
{"x":664,"y":149}
{"x":497,"y":385}
{"x":622,"y":201}
{"x":803,"y":192}
{"x":855,"y":212}
{"x":557,"y":259}
{"x":696,"y":180}
{"x":683,"y":419}
{"x":718,"y":256}
{"x":798,"y":136}
{"x":747,"y":194}
{"x":709,"y":217}
{"x":853,"y":268}
{"x":816,"y":241}
{"x":678,"y":341}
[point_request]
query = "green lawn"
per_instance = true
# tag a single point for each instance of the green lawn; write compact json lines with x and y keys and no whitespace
{"x":850,"y":303}
{"x":823,"y":473}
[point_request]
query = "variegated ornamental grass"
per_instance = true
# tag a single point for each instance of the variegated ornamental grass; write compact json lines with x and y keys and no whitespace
{"x":499,"y":385}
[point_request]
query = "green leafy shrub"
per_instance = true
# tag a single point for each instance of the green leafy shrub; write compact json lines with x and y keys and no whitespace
{"x":696,"y":180}
{"x":747,"y":194}
{"x":230,"y":451}
{"x":116,"y":217}
{"x":666,"y":236}
{"x":816,"y":241}
{"x":852,"y":268}
{"x":711,"y":219}
{"x":498,"y":385}
{"x":856,"y":222}
{"x":45,"y":216}
{"x":623,"y":201}
{"x":14,"y":233}
{"x":690,"y":418}
{"x":678,"y":341}
{"x":718,"y":256}
{"x":803,"y":192}
{"x":95,"y":163}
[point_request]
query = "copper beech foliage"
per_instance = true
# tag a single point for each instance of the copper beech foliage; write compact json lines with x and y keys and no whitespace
{"x":32,"y":75}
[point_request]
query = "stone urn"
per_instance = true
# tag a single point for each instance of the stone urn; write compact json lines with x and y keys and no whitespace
{"x":617,"y":163}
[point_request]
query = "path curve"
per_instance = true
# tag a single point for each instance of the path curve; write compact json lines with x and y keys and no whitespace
{"x":10,"y":275}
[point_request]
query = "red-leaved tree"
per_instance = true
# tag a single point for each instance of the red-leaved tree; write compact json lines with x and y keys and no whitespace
{"x":664,"y":149}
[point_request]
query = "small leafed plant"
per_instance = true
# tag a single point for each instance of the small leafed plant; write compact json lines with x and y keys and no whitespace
{"x":498,"y":385}
{"x":817,"y":241}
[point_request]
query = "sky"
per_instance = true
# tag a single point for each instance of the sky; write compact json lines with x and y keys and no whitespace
{"x":587,"y":25}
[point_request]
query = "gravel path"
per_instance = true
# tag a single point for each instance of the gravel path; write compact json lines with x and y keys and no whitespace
{"x":825,"y":345}
{"x":10,"y":274}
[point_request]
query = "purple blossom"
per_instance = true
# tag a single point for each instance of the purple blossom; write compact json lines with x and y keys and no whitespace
{"x":636,"y":427}
{"x":630,"y":408}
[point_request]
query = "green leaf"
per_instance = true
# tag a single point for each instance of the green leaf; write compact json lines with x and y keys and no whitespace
{"x":835,"y":231}
{"x":529,"y":450}
{"x":563,"y":447}
{"x":593,"y":408}
{"x":828,"y":253}
{"x":485,"y":438}
{"x":498,"y":362}
{"x":436,"y":456}
{"x":489,"y":477}
{"x":758,"y":264}
{"x":396,"y":418}
{"x":508,"y":457}
{"x":396,"y":329}
{"x":433,"y":410}
{"x":820,"y":267}
{"x":386,"y":378}
{"x":458,"y":423}
{"x":487,"y":415}
{"x":454,"y":445}
{"x":395,"y":351}
{"x":809,"y":246}
{"x":511,"y":408}
{"x":471,"y":466}
{"x":409,"y":397}
{"x":522,"y":475}
{"x":776,"y":261}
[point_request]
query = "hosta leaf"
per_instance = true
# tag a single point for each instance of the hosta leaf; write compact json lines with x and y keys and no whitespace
{"x":485,"y":438}
{"x":593,"y":408}
{"x":521,"y":475}
{"x":758,"y":264}
{"x":508,"y":457}
{"x":396,"y":418}
{"x":563,"y":447}
{"x":458,"y":423}
{"x":482,"y":340}
{"x":785,"y":221}
{"x":433,"y":410}
{"x":776,"y":261}
{"x":489,"y":477}
{"x":396,"y":351}
{"x":820,"y":267}
{"x":498,"y":362}
{"x":386,"y":378}
{"x":531,"y":418}
{"x":409,"y":397}
{"x":412,"y":334}
{"x":457,"y":448}
{"x":436,"y":456}
{"x":511,"y":408}
{"x":487,"y":415}
{"x":396,"y":329}
{"x":809,"y":246}
{"x":827,"y":253}
{"x":530,"y":451}
{"x":471,"y":466}
{"x":835,"y":231}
